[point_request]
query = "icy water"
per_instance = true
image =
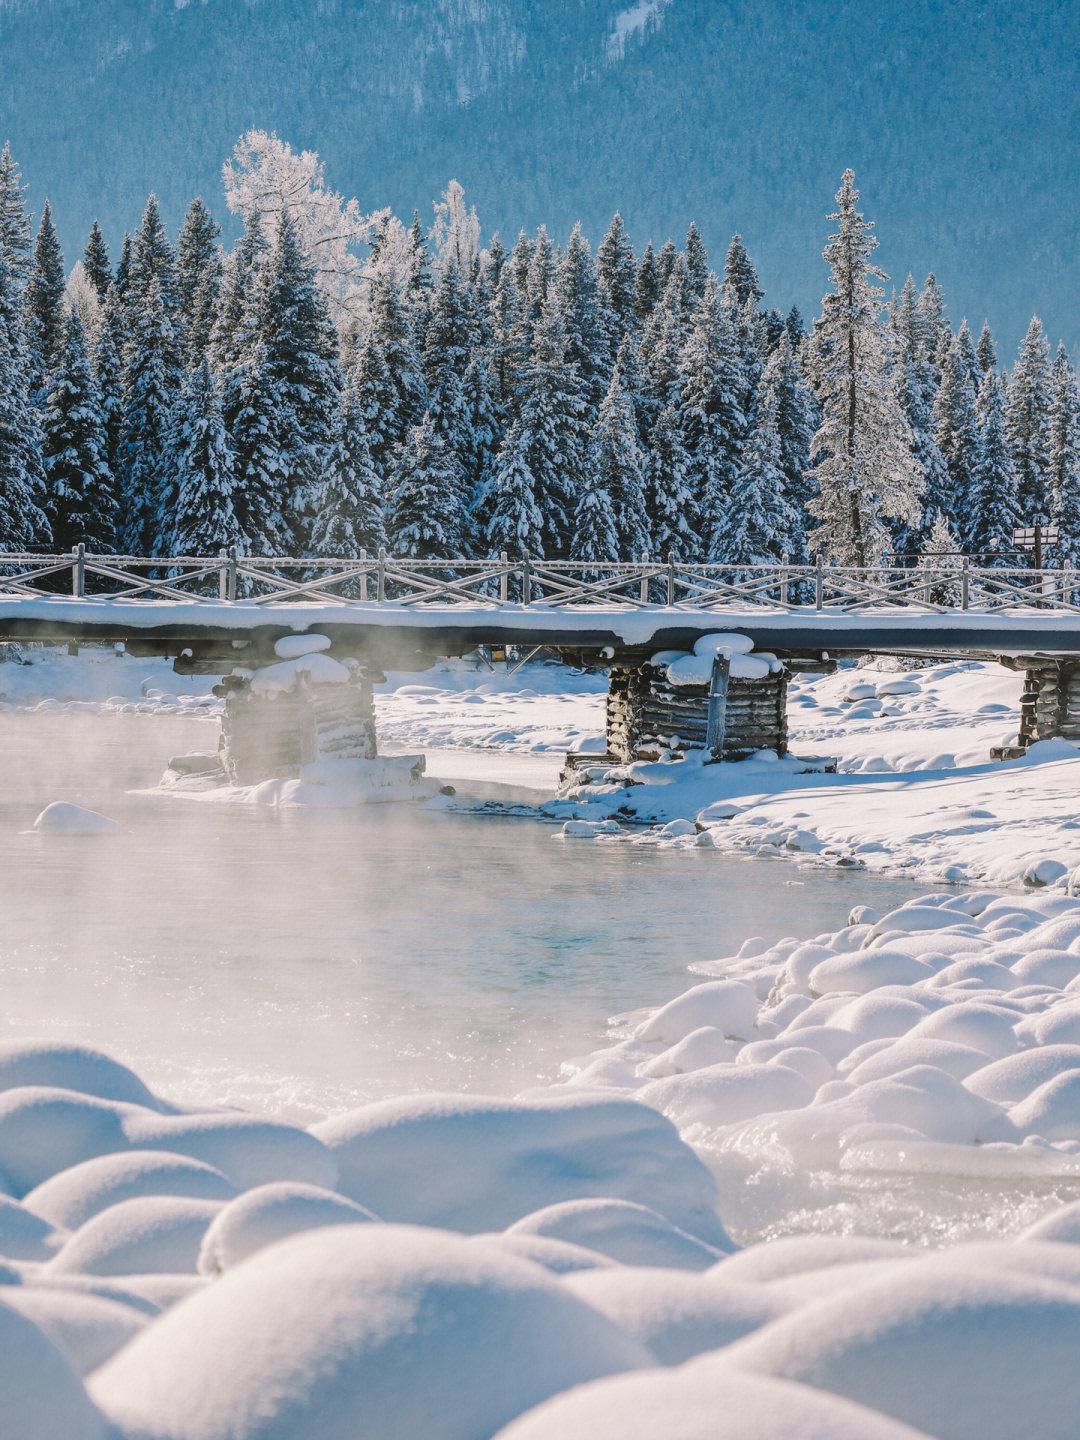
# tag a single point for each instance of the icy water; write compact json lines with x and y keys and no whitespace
{"x":299,"y":961}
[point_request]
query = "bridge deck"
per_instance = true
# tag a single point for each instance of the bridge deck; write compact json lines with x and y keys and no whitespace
{"x":449,"y":629}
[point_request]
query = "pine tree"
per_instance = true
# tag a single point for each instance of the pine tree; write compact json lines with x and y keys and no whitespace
{"x":965,"y":348}
{"x":576,"y":294}
{"x":123,"y":269}
{"x":261,"y":462}
{"x":864,"y":468}
{"x":697,"y":263}
{"x":198,"y":277}
{"x":96,"y":262}
{"x":81,"y":506}
{"x":520,"y":261}
{"x":1027,"y":423}
{"x":152,"y":385}
{"x":515,"y":525}
{"x":390,"y":377}
{"x":985,"y":350}
{"x":665,"y":263}
{"x":14,"y":223}
{"x":153,"y":259}
{"x":760,"y":521}
{"x":23,"y":525}
{"x":425,"y":513}
{"x":941,"y":563}
{"x":739,"y":273}
{"x":918,"y":391}
{"x":781,"y":384}
{"x":1064,"y":457}
{"x":647,"y":287}
{"x":351,"y":516}
{"x":615,"y":468}
{"x":676,"y":522}
{"x":109,"y":341}
{"x":955,"y":429}
{"x":617,"y":274}
{"x":933,"y":323}
{"x":993,"y":508}
{"x":712,"y":421}
{"x":206,"y":520}
{"x":447,"y":349}
{"x":45,"y":301}
{"x":594,"y":539}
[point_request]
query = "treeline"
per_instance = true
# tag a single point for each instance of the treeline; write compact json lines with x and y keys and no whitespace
{"x":449,"y":400}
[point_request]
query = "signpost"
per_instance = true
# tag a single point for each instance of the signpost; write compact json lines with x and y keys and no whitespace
{"x":1034,"y":537}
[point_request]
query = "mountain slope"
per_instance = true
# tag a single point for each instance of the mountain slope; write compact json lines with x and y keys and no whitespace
{"x":961,"y":120}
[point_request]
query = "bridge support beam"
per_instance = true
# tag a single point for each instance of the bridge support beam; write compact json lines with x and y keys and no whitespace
{"x":269,"y":733}
{"x":1050,"y":701}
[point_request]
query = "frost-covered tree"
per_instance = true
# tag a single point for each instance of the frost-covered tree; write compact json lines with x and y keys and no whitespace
{"x":266,"y":177}
{"x":514,"y":524}
{"x":350,"y":517}
{"x":955,"y":429}
{"x":1027,"y":423}
{"x":23,"y":525}
{"x":45,"y":301}
{"x":918,"y":391}
{"x":206,"y":519}
{"x":697,"y":263}
{"x":81,"y":296}
{"x":739,"y":273}
{"x":863,"y":465}
{"x":615,"y":468}
{"x":388,"y":371}
{"x":198,"y":270}
{"x":456,"y":232}
{"x":576,"y":294}
{"x":617,"y":274}
{"x":425,"y":510}
{"x":761,"y":523}
{"x":985,"y":349}
{"x":538,"y":283}
{"x":261,"y":457}
{"x":781,"y":387}
{"x":933,"y":322}
{"x":78,"y":485}
{"x":647,"y":288}
{"x":153,"y":261}
{"x":14,"y":223}
{"x":665,"y":263}
{"x":109,"y":345}
{"x":96,"y":261}
{"x":1064,"y":458}
{"x":992,"y":509}
{"x":151,"y":386}
{"x":712,"y":421}
{"x":594,"y":540}
{"x":448,"y":344}
{"x":941,"y":563}
{"x":123,"y":268}
{"x":676,"y":522}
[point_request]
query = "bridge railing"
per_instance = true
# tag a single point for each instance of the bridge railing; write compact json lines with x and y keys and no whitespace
{"x":935,"y":586}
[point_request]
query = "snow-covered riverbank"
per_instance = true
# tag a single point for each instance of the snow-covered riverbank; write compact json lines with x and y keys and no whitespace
{"x":563,"y":1264}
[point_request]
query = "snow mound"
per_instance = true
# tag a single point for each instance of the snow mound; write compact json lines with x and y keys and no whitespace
{"x":1061,"y":1226}
{"x":74,"y":1067}
{"x":866,"y":970}
{"x":1053,"y":1110}
{"x":724,"y":1005}
{"x":269,"y":1213}
{"x":472,"y":1163}
{"x":292,"y":647}
{"x":725,"y":1094}
{"x":992,"y":1349}
{"x":155,"y":1235}
{"x":42,"y":1397}
{"x":388,"y":1332}
{"x":24,"y":1235}
{"x":630,"y":1234}
{"x":674,"y":1314}
{"x":73,"y":1196}
{"x":314,"y":668}
{"x":63,"y":818}
{"x":247,"y":1150}
{"x":44,"y":1130}
{"x":86,"y":1329}
{"x":704,"y":1400}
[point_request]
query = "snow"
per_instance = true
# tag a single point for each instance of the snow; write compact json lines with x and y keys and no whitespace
{"x":42,"y":1396}
{"x":310,"y":666}
{"x":631,"y":1234}
{"x":266,"y":1214}
{"x":153,"y":1235}
{"x":63,"y":818}
{"x":71,"y":1197}
{"x":291,"y":647}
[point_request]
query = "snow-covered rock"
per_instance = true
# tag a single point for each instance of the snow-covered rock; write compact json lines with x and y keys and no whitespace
{"x":63,"y":818}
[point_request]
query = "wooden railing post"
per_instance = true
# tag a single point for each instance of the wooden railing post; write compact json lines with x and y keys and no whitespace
{"x":230,"y":589}
{"x":362,"y":557}
{"x":504,"y":578}
{"x":381,"y":591}
{"x":671,"y":580}
{"x":819,"y":582}
{"x":965,"y":584}
{"x":526,"y":581}
{"x":644,"y":580}
{"x":78,"y":571}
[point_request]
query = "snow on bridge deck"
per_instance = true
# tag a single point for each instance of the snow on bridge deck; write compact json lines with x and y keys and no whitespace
{"x":448,"y":629}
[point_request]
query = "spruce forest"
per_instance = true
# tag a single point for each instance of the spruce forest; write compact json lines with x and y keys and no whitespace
{"x":340,"y":381}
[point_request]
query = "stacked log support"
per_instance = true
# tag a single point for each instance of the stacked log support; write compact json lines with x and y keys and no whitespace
{"x":275,"y":736}
{"x":647,"y":714}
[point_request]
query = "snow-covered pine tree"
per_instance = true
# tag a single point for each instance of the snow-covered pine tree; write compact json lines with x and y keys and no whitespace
{"x":697,"y":264}
{"x":941,"y":563}
{"x":261,"y":460}
{"x":712,"y":421}
{"x":665,"y":263}
{"x":663,"y":340}
{"x":594,"y":538}
{"x":782,"y":383}
{"x":299,"y":356}
{"x":1064,"y":474}
{"x":647,"y":287}
{"x":615,"y":468}
{"x":45,"y":303}
{"x":351,"y":515}
{"x":96,"y":261}
{"x":23,"y":525}
{"x":676,"y":520}
{"x":123,"y":269}
{"x":761,"y":524}
{"x":795,"y":328}
{"x":206,"y":520}
{"x":617,"y":274}
{"x":152,"y":384}
{"x":992,"y":509}
{"x":739,"y":273}
{"x":985,"y":349}
{"x":520,"y":261}
{"x":198,"y":276}
{"x":14,"y":223}
{"x":955,"y":429}
{"x":965,"y":347}
{"x":109,"y":343}
{"x":918,"y":390}
{"x":588,"y":344}
{"x":80,"y":501}
{"x":514,"y":522}
{"x":425,"y":510}
{"x":154,"y":259}
{"x":864,"y":468}
{"x":447,"y":349}
{"x":538,"y":282}
{"x":933,"y":323}
{"x":390,"y":376}
{"x":1027,"y":423}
